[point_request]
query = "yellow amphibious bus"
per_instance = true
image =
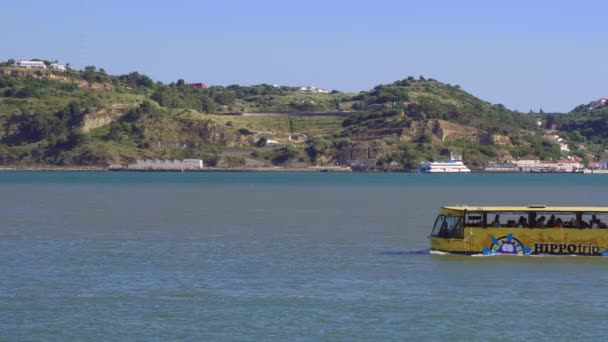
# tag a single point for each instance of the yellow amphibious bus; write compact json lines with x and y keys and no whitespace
{"x":531,"y":230}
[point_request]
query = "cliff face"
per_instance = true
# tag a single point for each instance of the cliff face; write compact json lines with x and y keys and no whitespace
{"x":102,"y":117}
{"x":183,"y":133}
{"x":52,"y":75}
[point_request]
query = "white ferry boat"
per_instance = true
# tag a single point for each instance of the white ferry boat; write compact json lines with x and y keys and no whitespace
{"x":450,"y":166}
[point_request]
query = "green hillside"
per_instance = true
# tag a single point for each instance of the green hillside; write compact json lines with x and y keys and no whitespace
{"x":91,"y":118}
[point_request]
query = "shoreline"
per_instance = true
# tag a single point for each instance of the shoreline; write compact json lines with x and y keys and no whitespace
{"x":329,"y":169}
{"x":208,"y":169}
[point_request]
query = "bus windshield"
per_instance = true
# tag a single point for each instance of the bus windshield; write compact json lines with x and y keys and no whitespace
{"x":448,"y":227}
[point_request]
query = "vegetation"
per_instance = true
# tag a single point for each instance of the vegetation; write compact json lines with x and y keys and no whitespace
{"x":89,"y":117}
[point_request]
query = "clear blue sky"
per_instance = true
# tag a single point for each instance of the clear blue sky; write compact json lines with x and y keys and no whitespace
{"x":523,"y":54}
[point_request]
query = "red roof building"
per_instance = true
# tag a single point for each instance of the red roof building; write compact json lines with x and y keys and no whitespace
{"x":197,"y":85}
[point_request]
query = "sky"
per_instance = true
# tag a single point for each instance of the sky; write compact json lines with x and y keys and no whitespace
{"x":526,"y":55}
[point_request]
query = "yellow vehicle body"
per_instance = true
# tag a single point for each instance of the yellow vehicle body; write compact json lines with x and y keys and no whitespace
{"x":471,"y":232}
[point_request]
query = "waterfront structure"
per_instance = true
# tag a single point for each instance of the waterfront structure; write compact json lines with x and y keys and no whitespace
{"x":454,"y":165}
{"x":501,"y":167}
{"x":533,"y":164}
{"x":527,"y":163}
{"x":166,"y":165}
{"x":450,"y":166}
{"x":24,"y":63}
{"x":521,"y":230}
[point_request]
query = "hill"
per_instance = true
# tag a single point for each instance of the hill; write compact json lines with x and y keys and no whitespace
{"x":585,"y":125}
{"x":88,"y":117}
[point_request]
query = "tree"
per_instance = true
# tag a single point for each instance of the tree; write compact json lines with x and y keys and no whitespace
{"x":208,"y":105}
{"x":89,"y":74}
{"x":180,"y":83}
{"x":261,"y":142}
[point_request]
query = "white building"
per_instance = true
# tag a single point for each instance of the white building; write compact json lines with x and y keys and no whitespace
{"x":313,"y":90}
{"x":30,"y":64}
{"x":271,"y":143}
{"x":59,"y":67}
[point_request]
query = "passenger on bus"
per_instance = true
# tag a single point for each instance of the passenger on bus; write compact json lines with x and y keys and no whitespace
{"x":570,"y":223}
{"x":540,"y":223}
{"x":511,"y":223}
{"x":581,"y":224}
{"x":522,"y":222}
{"x":496,"y":222}
{"x":559,"y":223}
{"x":595,"y":222}
{"x":551,"y":222}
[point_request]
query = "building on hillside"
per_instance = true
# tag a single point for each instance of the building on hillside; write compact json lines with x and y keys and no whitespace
{"x":197,"y":85}
{"x":310,"y":89}
{"x":271,"y":143}
{"x":563,"y":146}
{"x":24,"y":63}
{"x":553,"y":137}
{"x":59,"y":67}
{"x":598,"y":104}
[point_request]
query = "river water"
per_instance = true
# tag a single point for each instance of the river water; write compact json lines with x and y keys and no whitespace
{"x":272,"y":256}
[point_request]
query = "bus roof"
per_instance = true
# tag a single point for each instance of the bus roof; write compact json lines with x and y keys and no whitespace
{"x":535,"y":207}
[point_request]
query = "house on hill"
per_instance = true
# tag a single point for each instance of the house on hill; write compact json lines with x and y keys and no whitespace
{"x":197,"y":85}
{"x":24,"y":63}
{"x":598,"y":104}
{"x":58,"y":67}
{"x":313,"y":90}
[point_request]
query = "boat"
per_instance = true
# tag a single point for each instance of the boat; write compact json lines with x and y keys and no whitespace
{"x":451,"y":166}
{"x":521,"y":230}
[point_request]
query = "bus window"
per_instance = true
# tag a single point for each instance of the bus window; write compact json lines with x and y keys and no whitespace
{"x":507,"y":219}
{"x":597,"y":221}
{"x":438,"y":224}
{"x":454,"y":226}
{"x":474,"y":219}
{"x":448,"y":227}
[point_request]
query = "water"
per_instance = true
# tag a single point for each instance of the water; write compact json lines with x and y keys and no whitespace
{"x":248,"y":256}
